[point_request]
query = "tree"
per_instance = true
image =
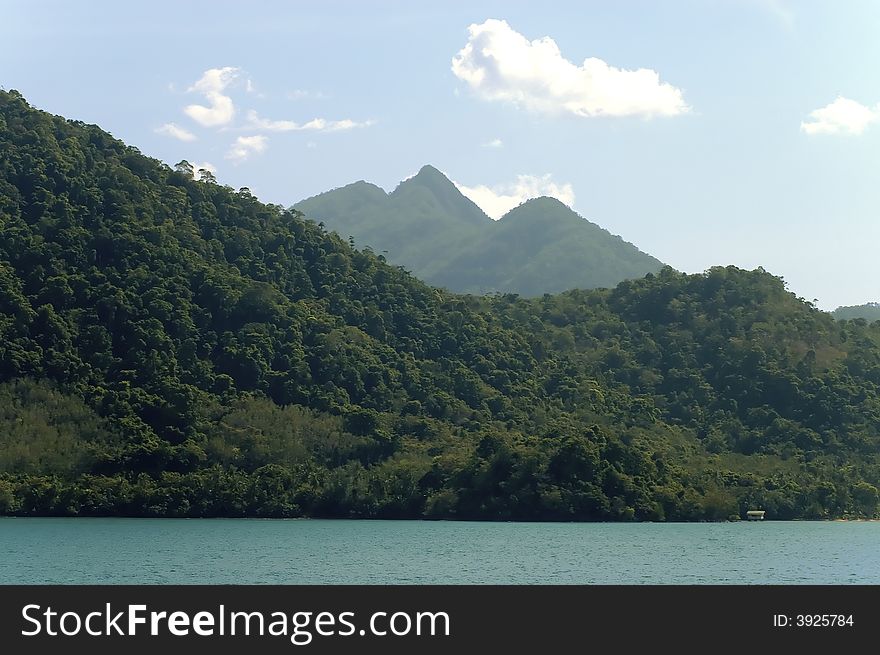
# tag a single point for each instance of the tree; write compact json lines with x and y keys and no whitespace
{"x":184,"y":168}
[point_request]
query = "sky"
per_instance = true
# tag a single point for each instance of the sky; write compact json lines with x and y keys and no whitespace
{"x":706,"y":132}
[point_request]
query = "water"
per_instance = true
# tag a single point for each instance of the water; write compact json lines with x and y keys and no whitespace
{"x":241,"y":551}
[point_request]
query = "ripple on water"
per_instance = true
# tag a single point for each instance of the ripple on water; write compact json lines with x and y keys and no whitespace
{"x":118,"y":551}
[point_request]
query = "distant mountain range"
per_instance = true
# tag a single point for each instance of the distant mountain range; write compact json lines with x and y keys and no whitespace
{"x":430,"y":228}
{"x":869,"y":311}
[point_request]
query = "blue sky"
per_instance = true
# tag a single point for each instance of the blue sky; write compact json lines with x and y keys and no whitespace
{"x":707,"y":132}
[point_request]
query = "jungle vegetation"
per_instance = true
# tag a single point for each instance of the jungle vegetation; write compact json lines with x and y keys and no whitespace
{"x":174,"y":347}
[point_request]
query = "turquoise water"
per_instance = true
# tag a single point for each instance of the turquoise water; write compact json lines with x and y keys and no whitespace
{"x":240,"y":551}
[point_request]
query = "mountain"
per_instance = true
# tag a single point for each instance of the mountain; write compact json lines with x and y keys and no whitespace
{"x":427,"y":226}
{"x":540,"y":247}
{"x":173,"y":347}
{"x":424,"y":214}
{"x":869,"y":312}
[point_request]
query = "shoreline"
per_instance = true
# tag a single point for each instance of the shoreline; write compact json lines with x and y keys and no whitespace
{"x":427,"y":520}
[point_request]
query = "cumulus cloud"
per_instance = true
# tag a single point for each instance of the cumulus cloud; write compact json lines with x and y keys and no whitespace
{"x":220,"y":110}
{"x":843,"y":116}
{"x":499,"y":63}
{"x":494,"y":143}
{"x":175,"y":131}
{"x":245,"y":146}
{"x":316,"y":124}
{"x":500,"y":199}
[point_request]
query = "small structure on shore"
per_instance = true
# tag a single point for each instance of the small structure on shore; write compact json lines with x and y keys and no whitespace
{"x":755,"y":515}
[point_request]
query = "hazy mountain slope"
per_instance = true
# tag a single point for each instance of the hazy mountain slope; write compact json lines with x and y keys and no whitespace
{"x":869,"y":311}
{"x":424,"y":214}
{"x":430,"y":228}
{"x":540,"y":247}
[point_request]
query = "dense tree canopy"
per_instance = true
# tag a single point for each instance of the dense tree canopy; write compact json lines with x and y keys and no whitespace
{"x":173,"y":347}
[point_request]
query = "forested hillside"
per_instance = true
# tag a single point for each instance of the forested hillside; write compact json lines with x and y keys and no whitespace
{"x":427,"y":226}
{"x":173,"y":347}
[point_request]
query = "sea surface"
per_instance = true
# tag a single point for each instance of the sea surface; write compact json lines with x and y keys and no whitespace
{"x":244,"y":551}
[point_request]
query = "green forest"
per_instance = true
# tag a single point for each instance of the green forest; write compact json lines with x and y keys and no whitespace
{"x":174,"y":347}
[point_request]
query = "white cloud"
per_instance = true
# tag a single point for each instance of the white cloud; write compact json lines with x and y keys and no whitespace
{"x":173,"y":130}
{"x":221,"y":110}
{"x":494,"y":143}
{"x":843,"y":116}
{"x":316,"y":124}
{"x":305,"y":94}
{"x":251,"y":88}
{"x":500,"y":199}
{"x":499,"y":63}
{"x":245,"y":146}
{"x":204,"y":166}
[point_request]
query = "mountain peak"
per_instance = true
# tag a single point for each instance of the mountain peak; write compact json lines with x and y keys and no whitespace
{"x":346,"y":197}
{"x":443,"y":192}
{"x":545,"y":202}
{"x":540,"y":209}
{"x":427,"y":169}
{"x":430,"y":177}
